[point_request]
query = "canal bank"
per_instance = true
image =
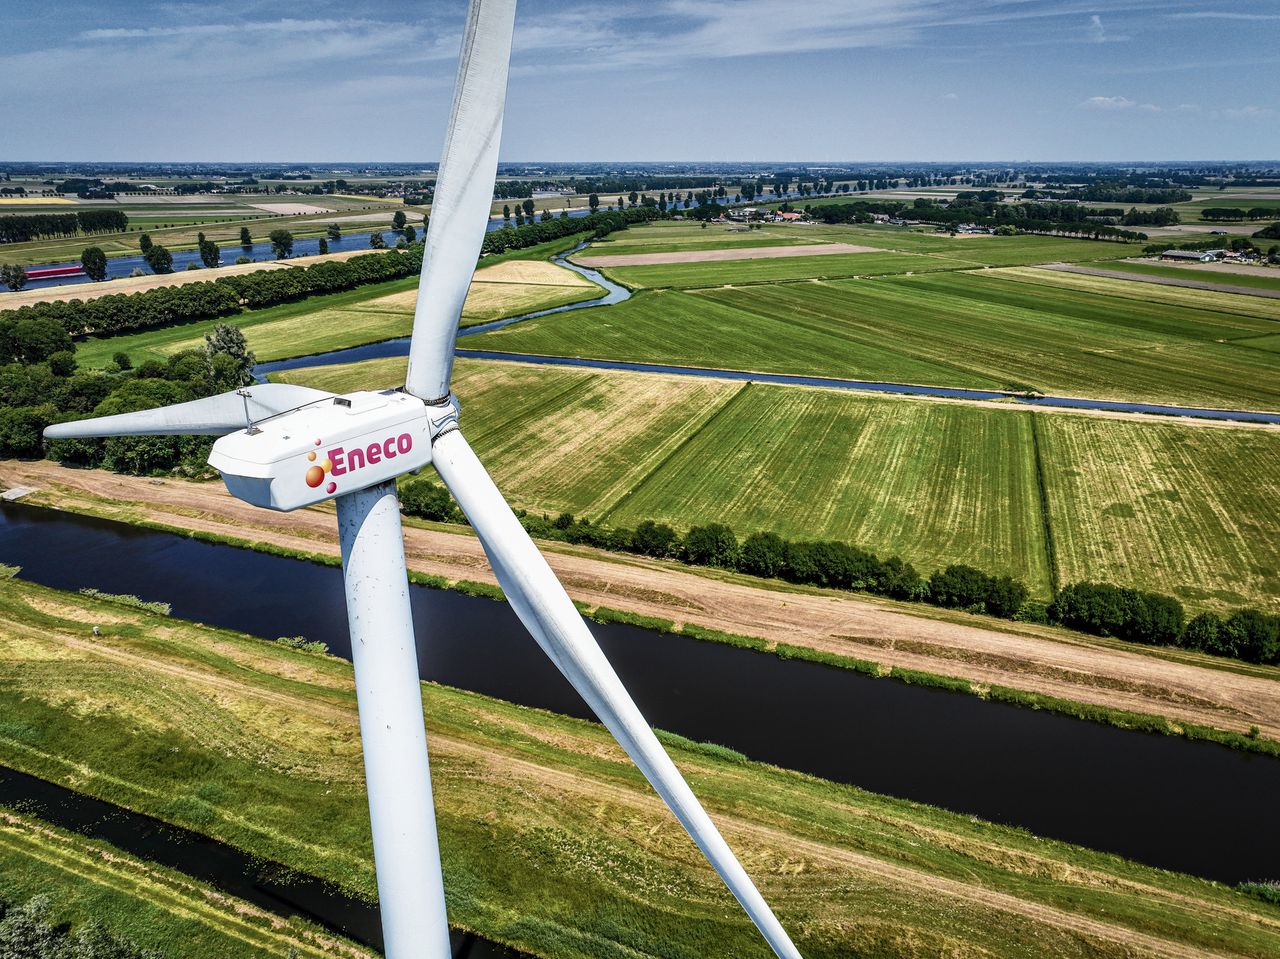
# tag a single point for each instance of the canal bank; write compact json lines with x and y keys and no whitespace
{"x":1017,"y":766}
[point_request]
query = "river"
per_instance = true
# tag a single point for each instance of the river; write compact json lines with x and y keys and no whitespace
{"x":1169,"y":802}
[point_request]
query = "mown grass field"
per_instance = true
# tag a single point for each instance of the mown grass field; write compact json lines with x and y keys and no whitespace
{"x":1023,"y":329}
{"x":154,"y":907}
{"x":1183,"y":508}
{"x":380,"y":311}
{"x":551,"y":840}
{"x":1193,"y":512}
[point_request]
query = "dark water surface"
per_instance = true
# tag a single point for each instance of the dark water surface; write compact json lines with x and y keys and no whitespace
{"x":1194,"y":807}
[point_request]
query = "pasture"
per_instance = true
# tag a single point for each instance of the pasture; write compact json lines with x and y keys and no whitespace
{"x":1057,"y":333}
{"x":935,"y":482}
{"x":261,"y":750}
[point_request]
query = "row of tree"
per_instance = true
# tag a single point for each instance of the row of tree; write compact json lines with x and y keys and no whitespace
{"x":1158,"y":620}
{"x":599,"y":224}
{"x":21,"y":228}
{"x":1099,"y":608}
{"x":1236,"y":213}
{"x":225,"y":296}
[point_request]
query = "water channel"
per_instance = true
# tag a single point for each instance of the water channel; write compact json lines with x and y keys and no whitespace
{"x":1169,"y":802}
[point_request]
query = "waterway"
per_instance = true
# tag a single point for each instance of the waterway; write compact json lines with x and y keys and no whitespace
{"x":1169,"y":802}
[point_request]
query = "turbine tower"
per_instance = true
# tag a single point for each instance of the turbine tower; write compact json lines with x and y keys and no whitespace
{"x":283,"y":447}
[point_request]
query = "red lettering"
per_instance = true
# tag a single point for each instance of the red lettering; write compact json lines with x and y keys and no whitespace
{"x":335,"y":457}
{"x":357,"y":459}
{"x":388,"y":448}
{"x":374,"y":452}
{"x":404,"y":442}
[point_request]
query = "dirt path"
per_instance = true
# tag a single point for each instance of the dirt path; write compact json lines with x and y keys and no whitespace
{"x":987,"y":652}
{"x":715,"y":256}
{"x":1161,"y":280}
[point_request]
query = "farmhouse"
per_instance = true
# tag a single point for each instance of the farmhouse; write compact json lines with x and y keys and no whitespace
{"x":1194,"y":256}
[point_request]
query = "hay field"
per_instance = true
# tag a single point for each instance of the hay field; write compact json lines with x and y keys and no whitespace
{"x":1192,"y":512}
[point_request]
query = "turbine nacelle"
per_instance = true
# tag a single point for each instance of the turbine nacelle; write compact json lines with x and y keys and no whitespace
{"x":333,"y":446}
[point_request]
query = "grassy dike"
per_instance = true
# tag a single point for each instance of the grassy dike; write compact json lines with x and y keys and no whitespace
{"x":156,"y":908}
{"x":1148,"y":722}
{"x":552,"y":841}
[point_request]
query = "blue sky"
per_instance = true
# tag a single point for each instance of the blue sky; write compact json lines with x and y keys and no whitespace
{"x":349,"y":80}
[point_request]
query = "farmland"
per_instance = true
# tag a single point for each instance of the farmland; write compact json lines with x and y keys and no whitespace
{"x":1207,"y":273}
{"x":935,"y":482}
{"x":365,"y":315}
{"x":551,"y":840}
{"x":1061,"y":334}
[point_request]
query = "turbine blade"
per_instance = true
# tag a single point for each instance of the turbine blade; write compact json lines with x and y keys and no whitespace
{"x":210,"y":416}
{"x":463,"y":195}
{"x":546,"y":610}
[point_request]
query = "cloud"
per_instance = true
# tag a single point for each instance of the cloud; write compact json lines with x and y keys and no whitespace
{"x":951,"y":96}
{"x":1109,"y":103}
{"x":1097,"y":32}
{"x":1223,"y":15}
{"x":1248,"y":113}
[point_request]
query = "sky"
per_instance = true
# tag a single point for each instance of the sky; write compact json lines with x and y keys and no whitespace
{"x":760,"y":80}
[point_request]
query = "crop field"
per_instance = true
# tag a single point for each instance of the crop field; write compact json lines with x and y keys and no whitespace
{"x":1193,"y":512}
{"x":936,"y":483}
{"x":154,"y":907}
{"x":355,"y":317}
{"x":551,"y":840}
{"x":1068,"y":335}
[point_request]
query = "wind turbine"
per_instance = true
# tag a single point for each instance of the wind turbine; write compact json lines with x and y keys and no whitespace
{"x":283,"y":447}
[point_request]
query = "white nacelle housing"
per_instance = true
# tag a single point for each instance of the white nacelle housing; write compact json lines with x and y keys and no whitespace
{"x":325,"y":449}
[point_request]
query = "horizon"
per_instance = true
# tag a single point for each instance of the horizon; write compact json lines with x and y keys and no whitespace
{"x":983,"y":79}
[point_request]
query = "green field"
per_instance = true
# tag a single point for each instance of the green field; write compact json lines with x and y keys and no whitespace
{"x":938,"y":483}
{"x":994,"y":330}
{"x":551,"y":840}
{"x":1190,"y":511}
{"x":154,"y":907}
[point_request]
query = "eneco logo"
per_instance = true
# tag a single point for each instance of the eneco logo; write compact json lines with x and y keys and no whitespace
{"x":339,"y":461}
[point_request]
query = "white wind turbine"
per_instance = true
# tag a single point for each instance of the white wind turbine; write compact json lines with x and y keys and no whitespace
{"x":283,"y":447}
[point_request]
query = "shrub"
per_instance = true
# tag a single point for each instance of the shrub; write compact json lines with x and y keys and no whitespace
{"x":653,"y":539}
{"x":1107,"y":610}
{"x":1252,"y":636}
{"x":426,"y":499}
{"x":711,"y":545}
{"x":763,"y":554}
{"x":959,"y":586}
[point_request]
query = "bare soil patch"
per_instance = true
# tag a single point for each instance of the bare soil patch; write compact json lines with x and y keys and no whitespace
{"x":714,"y":256}
{"x":1022,"y":656}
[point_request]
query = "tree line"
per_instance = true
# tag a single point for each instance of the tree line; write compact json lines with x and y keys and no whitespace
{"x":1102,"y":609}
{"x":999,"y":216}
{"x":22,"y":228}
{"x":1236,"y":213}
{"x":225,"y":296}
